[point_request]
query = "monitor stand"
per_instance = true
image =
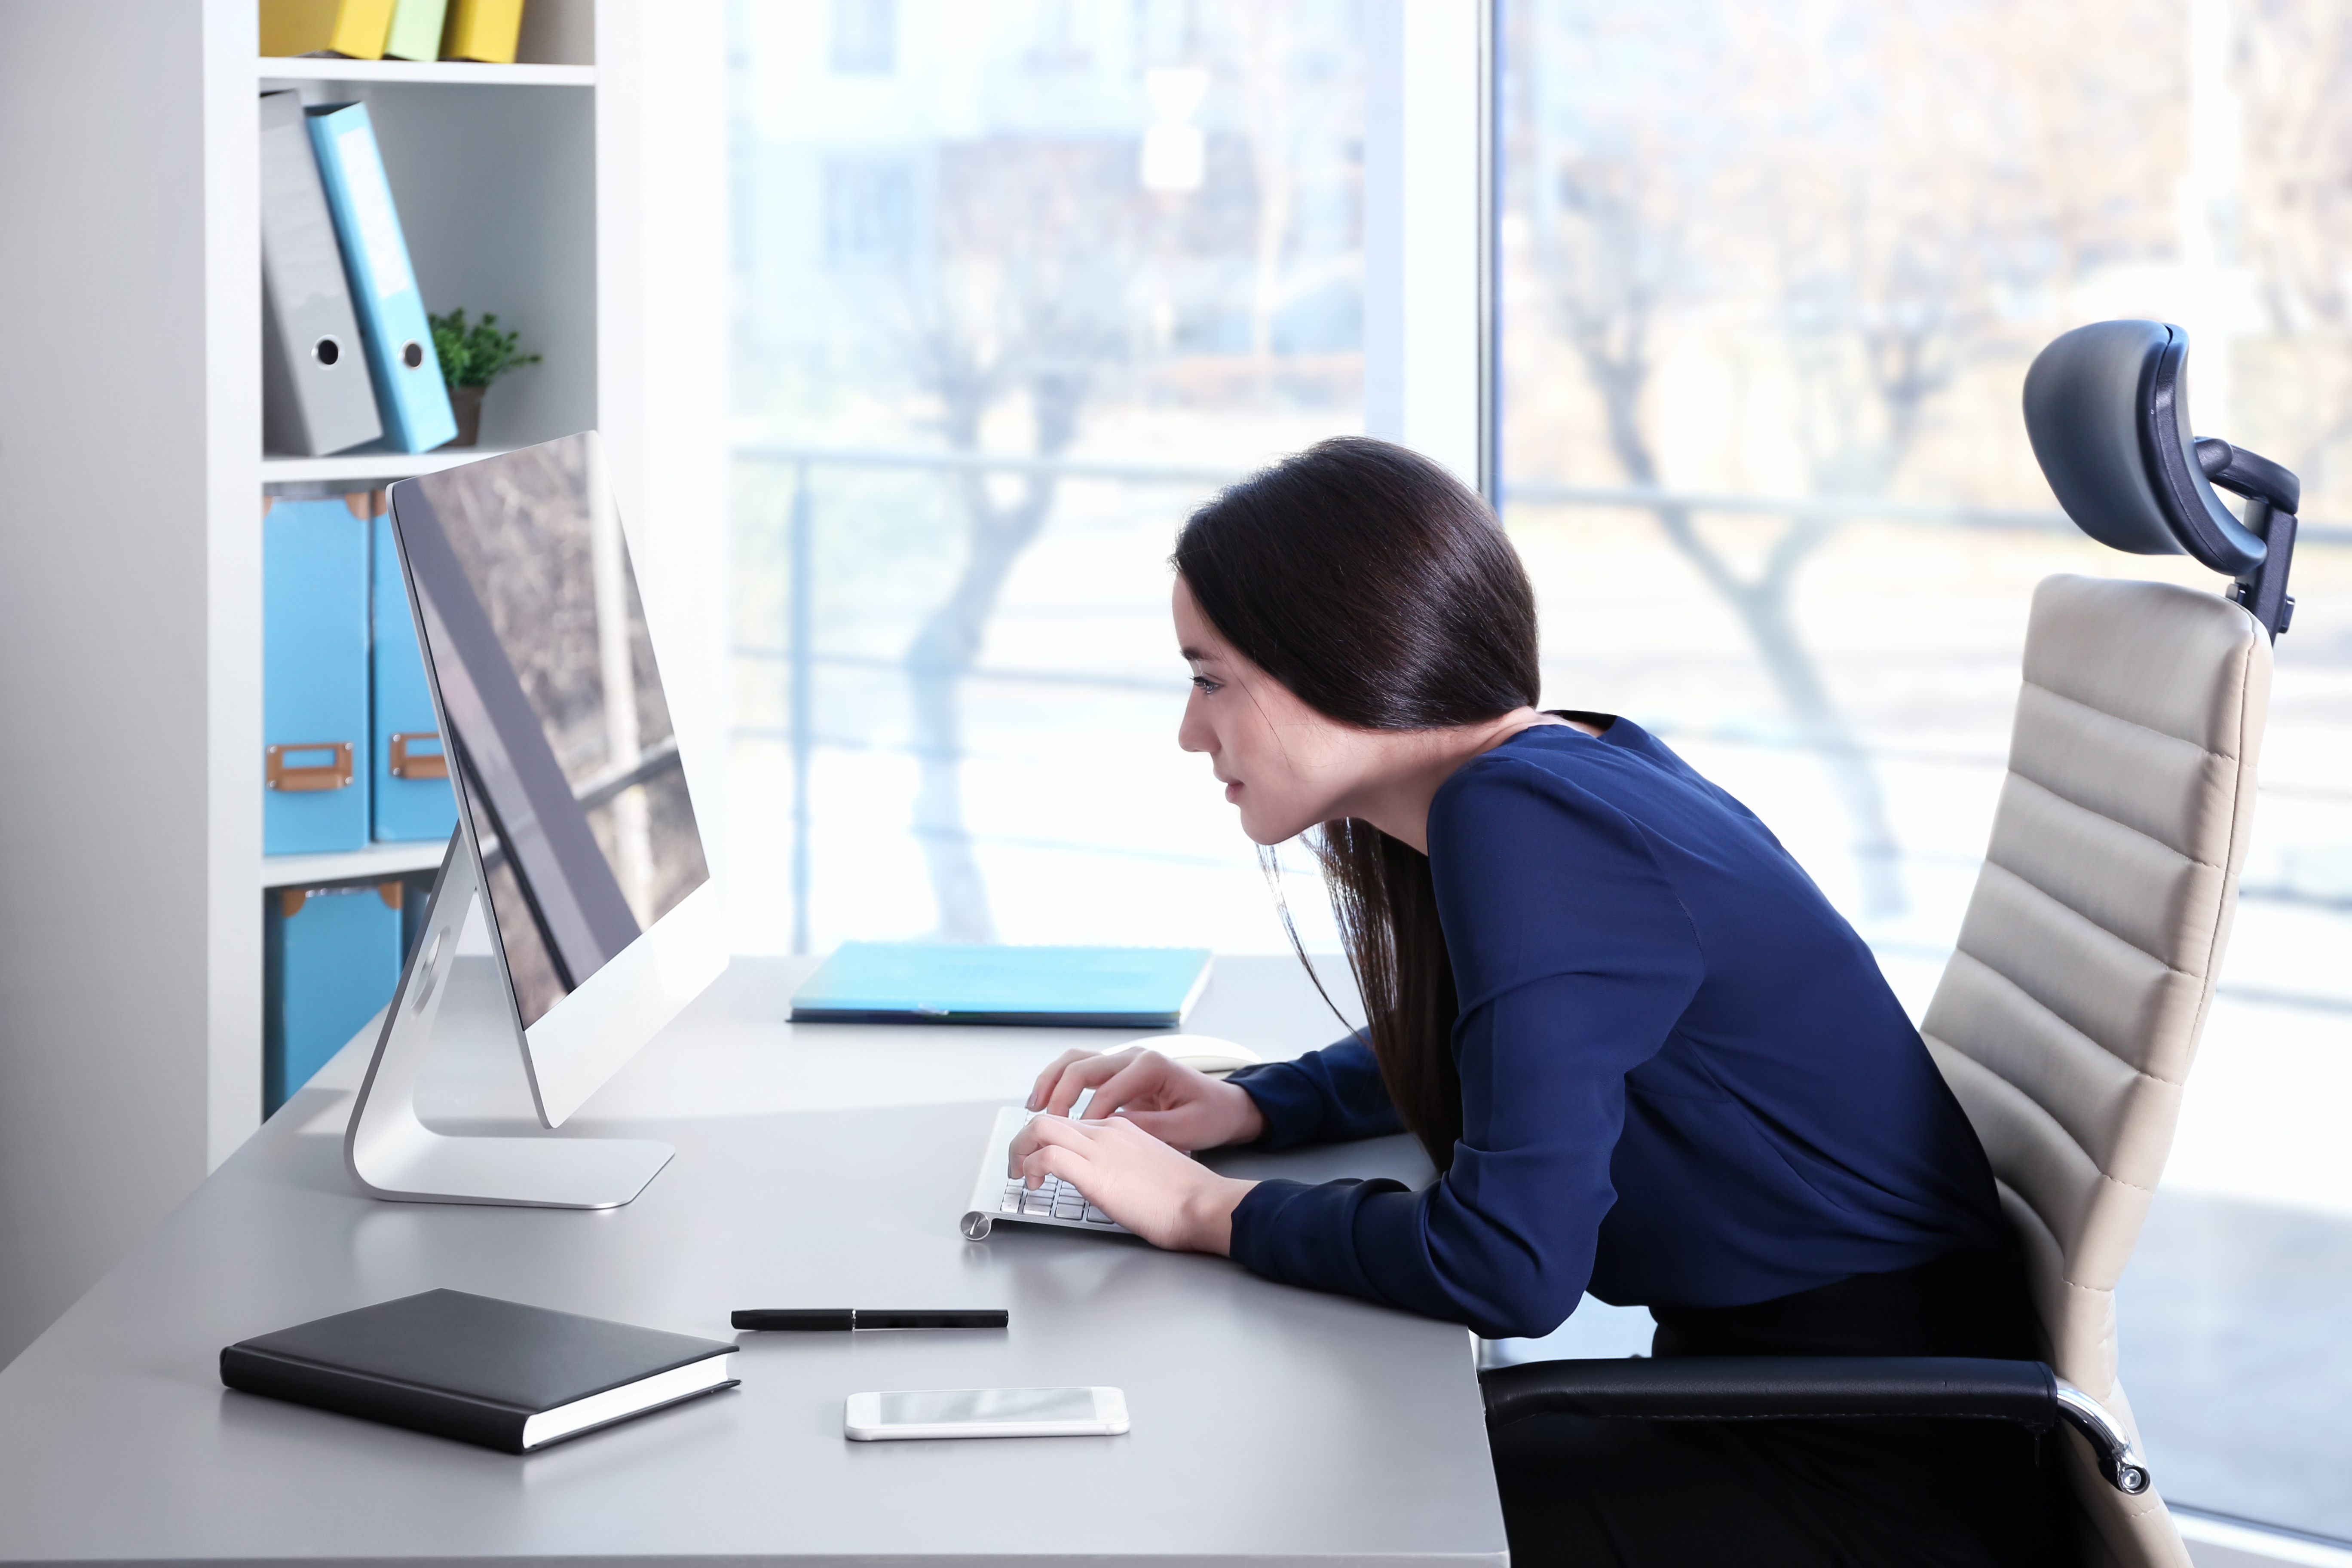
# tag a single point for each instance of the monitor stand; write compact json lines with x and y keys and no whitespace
{"x":390,"y":1151}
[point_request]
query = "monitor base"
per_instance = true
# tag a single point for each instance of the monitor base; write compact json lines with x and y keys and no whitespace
{"x":394,"y":1156}
{"x":532,"y":1172}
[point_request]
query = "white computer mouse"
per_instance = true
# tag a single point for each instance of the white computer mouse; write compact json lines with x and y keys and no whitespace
{"x":1203,"y":1053}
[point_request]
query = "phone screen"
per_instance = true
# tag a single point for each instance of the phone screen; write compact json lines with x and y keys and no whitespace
{"x":951,"y":1406}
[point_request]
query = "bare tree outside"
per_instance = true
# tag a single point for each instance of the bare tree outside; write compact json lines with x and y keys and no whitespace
{"x":1056,"y":234}
{"x":1629,"y":212}
{"x":1852,"y":193}
{"x":1027,"y":313}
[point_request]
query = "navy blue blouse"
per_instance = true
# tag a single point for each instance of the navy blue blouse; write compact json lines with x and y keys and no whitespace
{"x":1684,"y":1080}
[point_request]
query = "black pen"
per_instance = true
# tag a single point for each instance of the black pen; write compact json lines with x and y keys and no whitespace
{"x":812,"y":1320}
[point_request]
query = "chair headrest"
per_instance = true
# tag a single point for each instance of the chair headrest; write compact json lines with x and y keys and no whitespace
{"x":2107,"y":410}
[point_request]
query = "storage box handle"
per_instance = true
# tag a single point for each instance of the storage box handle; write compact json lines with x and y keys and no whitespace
{"x":335,"y":774}
{"x":292,"y":901}
{"x":408,"y":765}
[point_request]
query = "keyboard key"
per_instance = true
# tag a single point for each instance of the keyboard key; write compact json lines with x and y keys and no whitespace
{"x":1095,"y":1216}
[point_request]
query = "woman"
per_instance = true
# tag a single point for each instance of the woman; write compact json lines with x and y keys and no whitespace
{"x":1647,"y":1057}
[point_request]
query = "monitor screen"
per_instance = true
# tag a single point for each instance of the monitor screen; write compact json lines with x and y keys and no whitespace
{"x":565,"y":760}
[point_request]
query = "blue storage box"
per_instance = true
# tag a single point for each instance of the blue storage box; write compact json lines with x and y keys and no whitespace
{"x":314,"y":675}
{"x":409,"y":783}
{"x":331,"y":957}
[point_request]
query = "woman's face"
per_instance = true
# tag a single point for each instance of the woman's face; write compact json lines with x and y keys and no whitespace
{"x":1286,"y":766}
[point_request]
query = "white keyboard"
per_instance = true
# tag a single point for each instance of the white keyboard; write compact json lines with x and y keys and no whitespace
{"x":1053,"y":1199}
{"x":995,"y":1197}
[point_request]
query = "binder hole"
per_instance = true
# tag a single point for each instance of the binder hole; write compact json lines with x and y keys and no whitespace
{"x":412,"y":354}
{"x":327,"y":351}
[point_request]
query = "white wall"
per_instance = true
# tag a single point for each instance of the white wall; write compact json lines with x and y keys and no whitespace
{"x":105,"y":769}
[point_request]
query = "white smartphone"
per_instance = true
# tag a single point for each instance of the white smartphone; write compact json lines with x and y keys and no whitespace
{"x":985,"y":1413}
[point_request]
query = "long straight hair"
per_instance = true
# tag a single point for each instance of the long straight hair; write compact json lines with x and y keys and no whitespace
{"x":1384,"y":594}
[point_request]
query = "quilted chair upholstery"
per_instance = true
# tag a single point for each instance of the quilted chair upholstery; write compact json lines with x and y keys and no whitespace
{"x":2069,"y":1016}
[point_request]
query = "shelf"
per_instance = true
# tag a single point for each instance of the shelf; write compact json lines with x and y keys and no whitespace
{"x":317,"y":68}
{"x":368,"y":464}
{"x":352,"y":865}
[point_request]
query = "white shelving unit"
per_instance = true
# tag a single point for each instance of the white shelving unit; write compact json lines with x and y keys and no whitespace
{"x":495,"y":171}
{"x":367,"y":464}
{"x":580,"y":196}
{"x":350,"y":865}
{"x":467,"y":73}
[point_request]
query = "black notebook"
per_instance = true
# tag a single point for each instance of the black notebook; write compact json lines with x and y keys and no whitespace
{"x":478,"y":1369}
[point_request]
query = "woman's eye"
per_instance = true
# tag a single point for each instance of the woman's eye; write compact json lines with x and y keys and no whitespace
{"x":1204,"y":685}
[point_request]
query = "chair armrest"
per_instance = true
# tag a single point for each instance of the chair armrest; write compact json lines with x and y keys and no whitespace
{"x":1797,"y":1388}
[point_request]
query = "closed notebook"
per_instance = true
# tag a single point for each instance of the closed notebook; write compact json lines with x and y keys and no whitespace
{"x":954,"y":983}
{"x":478,"y":1369}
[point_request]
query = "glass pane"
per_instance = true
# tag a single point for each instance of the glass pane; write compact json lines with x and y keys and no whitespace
{"x":1773,"y":275}
{"x":1018,"y":285}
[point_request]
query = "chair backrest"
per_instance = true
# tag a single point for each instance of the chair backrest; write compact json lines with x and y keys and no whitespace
{"x":2071,"y":1010}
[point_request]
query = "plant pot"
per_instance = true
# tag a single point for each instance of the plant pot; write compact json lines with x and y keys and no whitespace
{"x":465,"y":403}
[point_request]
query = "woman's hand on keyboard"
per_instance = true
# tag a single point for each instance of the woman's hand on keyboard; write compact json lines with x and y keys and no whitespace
{"x":1182,"y":1108}
{"x":1168,"y":1199}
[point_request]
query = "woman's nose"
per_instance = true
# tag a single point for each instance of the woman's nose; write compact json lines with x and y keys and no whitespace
{"x":1191,"y":734}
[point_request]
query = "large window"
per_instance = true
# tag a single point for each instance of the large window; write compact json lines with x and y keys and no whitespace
{"x":1019,"y":283}
{"x":1773,"y":271}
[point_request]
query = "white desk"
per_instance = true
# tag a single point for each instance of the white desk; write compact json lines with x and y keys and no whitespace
{"x":817,"y":1166}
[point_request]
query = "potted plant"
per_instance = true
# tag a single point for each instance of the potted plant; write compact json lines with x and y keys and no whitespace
{"x":471,"y":358}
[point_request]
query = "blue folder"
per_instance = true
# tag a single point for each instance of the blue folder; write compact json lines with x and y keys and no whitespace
{"x":948,"y":982}
{"x":331,"y":957}
{"x":409,"y":392}
{"x":314,"y":677}
{"x":409,"y":771}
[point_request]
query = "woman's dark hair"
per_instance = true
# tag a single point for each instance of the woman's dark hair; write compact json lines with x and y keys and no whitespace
{"x":1384,"y":594}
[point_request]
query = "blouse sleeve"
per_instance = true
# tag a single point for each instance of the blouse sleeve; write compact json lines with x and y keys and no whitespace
{"x":1330,"y":1096}
{"x":1573,"y":959}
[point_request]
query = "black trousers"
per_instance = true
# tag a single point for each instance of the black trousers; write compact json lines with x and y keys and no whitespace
{"x":1870,"y":1493}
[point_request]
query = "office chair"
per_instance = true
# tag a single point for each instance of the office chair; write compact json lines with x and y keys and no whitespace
{"x":2068,"y":1016}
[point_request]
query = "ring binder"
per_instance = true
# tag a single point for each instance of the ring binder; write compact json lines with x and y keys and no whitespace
{"x":315,"y":397}
{"x":409,"y":394}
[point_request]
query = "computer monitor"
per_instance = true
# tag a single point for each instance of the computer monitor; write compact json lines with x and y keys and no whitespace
{"x":576,"y":830}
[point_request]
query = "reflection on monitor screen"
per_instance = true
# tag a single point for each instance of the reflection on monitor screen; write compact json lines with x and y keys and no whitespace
{"x":567,"y":763}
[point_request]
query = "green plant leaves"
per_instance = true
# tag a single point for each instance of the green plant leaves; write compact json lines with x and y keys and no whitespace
{"x":479,"y":355}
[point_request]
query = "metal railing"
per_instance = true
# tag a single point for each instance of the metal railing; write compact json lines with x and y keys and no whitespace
{"x":801,"y":658}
